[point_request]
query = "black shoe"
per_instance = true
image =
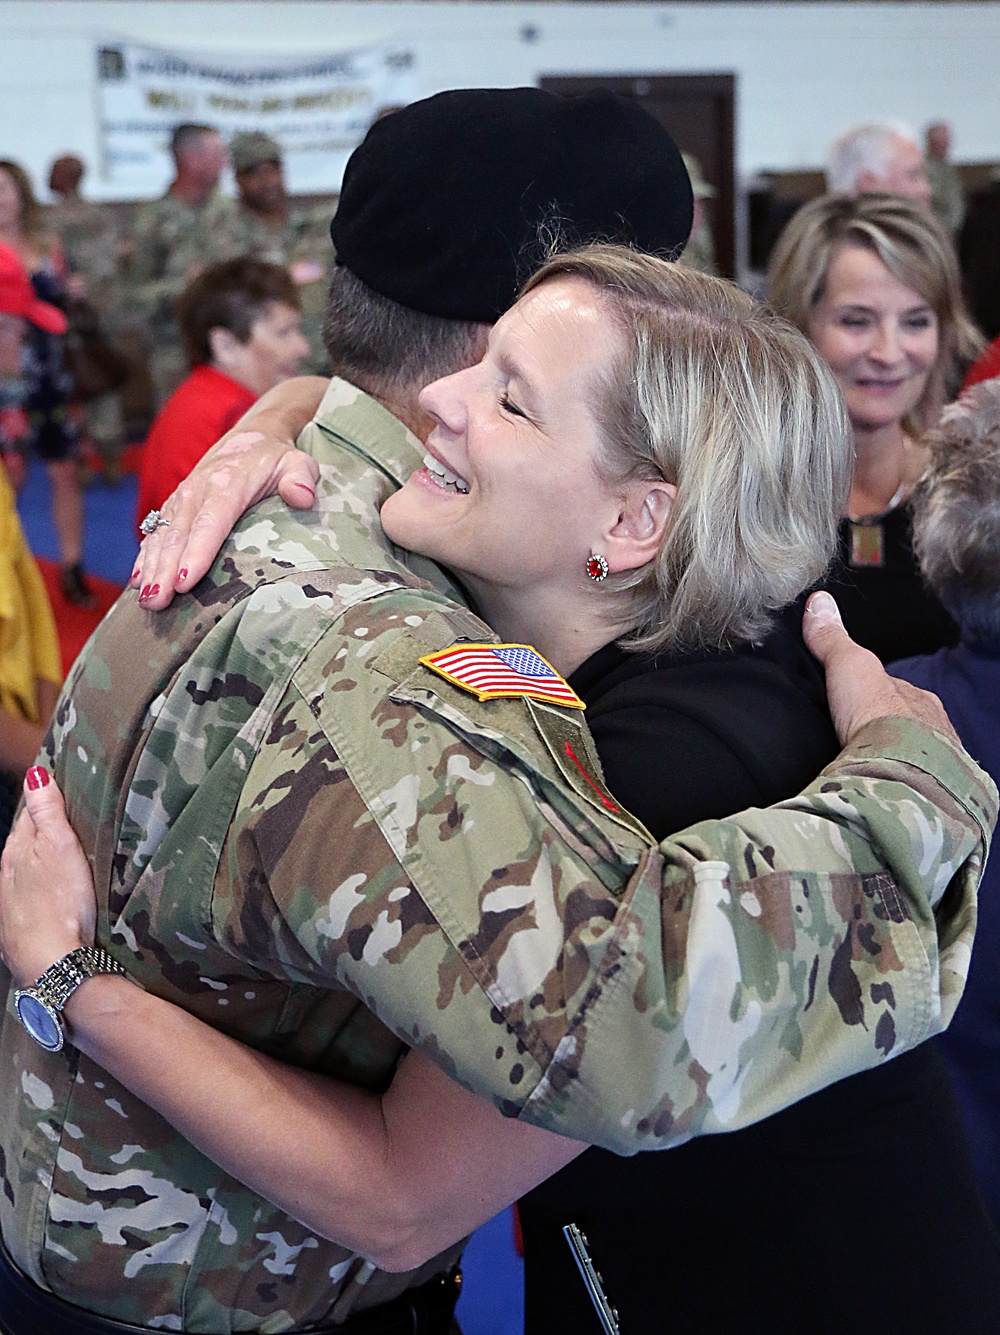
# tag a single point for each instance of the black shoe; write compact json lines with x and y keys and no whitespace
{"x":75,"y":588}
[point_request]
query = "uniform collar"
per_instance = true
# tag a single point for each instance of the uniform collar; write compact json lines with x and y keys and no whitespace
{"x":348,"y":418}
{"x":353,"y":418}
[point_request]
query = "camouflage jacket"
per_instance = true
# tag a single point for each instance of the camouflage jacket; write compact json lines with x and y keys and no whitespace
{"x":170,"y":237}
{"x":313,"y":842}
{"x":89,"y":239}
{"x":303,"y":236}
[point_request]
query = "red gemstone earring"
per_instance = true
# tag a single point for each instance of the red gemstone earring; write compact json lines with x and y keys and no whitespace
{"x":597,"y":568}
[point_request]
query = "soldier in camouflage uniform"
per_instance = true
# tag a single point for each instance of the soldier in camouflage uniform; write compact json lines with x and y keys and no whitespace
{"x":371,"y":858}
{"x":268,"y":226}
{"x":90,"y":243}
{"x":170,"y":241}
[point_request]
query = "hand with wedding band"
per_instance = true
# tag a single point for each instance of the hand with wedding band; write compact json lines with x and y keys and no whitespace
{"x":257,"y":458}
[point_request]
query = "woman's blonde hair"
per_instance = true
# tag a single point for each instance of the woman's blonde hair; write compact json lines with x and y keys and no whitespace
{"x":911,"y":243}
{"x":719,"y":396}
{"x":31,"y":220}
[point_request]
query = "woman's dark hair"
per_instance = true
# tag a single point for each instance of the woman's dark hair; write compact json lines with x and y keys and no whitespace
{"x":232,"y":295}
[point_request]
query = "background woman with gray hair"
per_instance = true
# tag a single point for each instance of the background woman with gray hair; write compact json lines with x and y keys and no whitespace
{"x":874,"y":283}
{"x":956,"y":533}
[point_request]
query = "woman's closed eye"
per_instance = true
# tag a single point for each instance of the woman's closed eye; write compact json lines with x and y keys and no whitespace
{"x":509,"y":406}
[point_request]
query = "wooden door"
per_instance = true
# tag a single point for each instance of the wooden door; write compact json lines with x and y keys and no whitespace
{"x":699,"y":111}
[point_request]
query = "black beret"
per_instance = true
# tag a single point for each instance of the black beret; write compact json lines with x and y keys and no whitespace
{"x":447,"y":203}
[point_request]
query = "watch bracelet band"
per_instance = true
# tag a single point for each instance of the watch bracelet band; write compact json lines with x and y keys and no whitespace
{"x":58,"y":983}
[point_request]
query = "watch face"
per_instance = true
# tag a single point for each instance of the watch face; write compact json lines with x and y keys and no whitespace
{"x":41,"y":1021}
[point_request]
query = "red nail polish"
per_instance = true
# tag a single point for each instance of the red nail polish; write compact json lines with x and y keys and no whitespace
{"x":154,"y":591}
{"x":144,"y":595}
{"x":37,"y":777}
{"x":182,"y":574}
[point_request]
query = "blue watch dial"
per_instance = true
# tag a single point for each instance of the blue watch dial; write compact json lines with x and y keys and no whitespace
{"x":40,"y":1020}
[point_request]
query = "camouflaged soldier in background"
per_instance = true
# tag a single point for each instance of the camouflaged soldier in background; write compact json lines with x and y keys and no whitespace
{"x":308,"y":839}
{"x":170,"y":239}
{"x":89,"y":238}
{"x":266,"y":224}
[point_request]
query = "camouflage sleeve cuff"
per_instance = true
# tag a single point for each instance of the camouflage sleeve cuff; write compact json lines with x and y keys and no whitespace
{"x":903,"y":750}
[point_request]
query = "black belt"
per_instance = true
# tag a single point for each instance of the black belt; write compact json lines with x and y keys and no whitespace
{"x":26,"y":1309}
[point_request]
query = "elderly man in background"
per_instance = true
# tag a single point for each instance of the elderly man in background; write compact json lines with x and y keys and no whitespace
{"x":877,"y":157}
{"x":956,"y":535}
{"x":268,"y":226}
{"x":171,"y":239}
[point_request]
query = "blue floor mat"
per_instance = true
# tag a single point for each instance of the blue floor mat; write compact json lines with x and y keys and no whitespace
{"x":110,"y":543}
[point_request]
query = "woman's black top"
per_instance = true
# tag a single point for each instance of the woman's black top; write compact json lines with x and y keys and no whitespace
{"x":854,"y":1211}
{"x":882,"y":596}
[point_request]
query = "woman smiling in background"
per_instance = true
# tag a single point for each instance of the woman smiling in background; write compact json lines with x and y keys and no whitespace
{"x":874,"y":283}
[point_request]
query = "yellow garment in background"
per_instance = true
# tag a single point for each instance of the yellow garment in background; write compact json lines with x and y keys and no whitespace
{"x":29,"y":647}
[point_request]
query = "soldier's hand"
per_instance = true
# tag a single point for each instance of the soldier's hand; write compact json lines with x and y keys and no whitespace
{"x":256,"y":459}
{"x":857,"y":685}
{"x":47,"y":902}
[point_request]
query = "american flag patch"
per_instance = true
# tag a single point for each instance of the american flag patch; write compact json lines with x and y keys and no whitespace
{"x":493,"y":670}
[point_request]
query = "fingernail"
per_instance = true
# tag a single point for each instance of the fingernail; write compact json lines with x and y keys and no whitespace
{"x":144,"y":595}
{"x":822,"y":606}
{"x":154,"y":591}
{"x":134,"y":575}
{"x":182,"y":575}
{"x":36,"y":777}
{"x":302,"y":486}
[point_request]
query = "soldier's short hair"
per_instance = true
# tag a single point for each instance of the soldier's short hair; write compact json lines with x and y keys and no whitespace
{"x":232,"y":295}
{"x":956,"y":512}
{"x":387,"y":349}
{"x":913,"y":245}
{"x":186,"y":136}
{"x":721,"y":397}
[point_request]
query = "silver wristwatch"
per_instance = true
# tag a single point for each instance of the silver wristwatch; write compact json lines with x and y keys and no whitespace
{"x":38,"y":1006}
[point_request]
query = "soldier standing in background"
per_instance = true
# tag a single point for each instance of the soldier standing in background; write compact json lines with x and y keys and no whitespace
{"x":947,"y":192}
{"x":92,"y":247}
{"x":699,"y":253}
{"x":266,"y":225}
{"x":172,"y":237}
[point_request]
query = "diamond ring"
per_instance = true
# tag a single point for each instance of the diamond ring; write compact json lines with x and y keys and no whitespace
{"x":152,"y":522}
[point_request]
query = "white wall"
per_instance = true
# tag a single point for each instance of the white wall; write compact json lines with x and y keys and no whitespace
{"x":805,"y":71}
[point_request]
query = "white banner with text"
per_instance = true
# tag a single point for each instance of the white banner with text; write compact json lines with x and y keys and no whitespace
{"x":318,"y":107}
